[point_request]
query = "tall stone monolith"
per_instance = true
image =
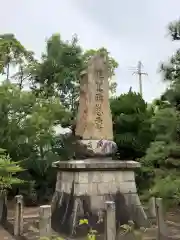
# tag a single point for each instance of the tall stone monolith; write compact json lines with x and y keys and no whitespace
{"x":94,"y":120}
{"x":85,"y":184}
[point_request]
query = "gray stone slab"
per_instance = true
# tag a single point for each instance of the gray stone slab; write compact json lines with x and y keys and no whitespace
{"x":91,"y":164}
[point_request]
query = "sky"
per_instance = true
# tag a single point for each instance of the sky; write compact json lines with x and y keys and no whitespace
{"x":131,"y":30}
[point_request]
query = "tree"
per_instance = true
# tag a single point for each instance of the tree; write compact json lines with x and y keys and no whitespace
{"x":12,"y":52}
{"x":131,"y":125}
{"x":28,"y":117}
{"x":8,"y":178}
{"x":27,"y":132}
{"x":112,"y":64}
{"x":162,"y":156}
{"x":58,"y":72}
{"x":174,"y":30}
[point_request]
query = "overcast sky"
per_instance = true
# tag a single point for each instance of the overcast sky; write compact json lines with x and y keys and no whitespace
{"x":131,"y":30}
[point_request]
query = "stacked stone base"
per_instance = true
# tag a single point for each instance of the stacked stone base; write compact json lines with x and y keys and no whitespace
{"x":82,"y":189}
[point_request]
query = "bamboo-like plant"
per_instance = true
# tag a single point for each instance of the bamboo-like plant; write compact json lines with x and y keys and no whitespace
{"x":8,"y":171}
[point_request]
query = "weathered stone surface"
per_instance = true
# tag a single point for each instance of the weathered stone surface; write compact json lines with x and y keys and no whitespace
{"x":94,"y":119}
{"x":108,"y":177}
{"x":94,"y":164}
{"x":162,"y":230}
{"x":82,"y":177}
{"x":104,"y":187}
{"x":152,"y":208}
{"x":58,"y":185}
{"x":97,"y":202}
{"x":67,"y":176}
{"x":45,"y":221}
{"x":85,"y":185}
{"x":128,"y":176}
{"x":110,"y":229}
{"x":18,"y":220}
{"x":92,"y":189}
{"x":126,"y":187}
{"x":97,"y":182}
{"x":95,"y":177}
{"x":81,"y":189}
{"x":92,"y":186}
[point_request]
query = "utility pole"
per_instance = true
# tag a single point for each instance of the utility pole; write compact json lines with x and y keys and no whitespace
{"x":140,"y":73}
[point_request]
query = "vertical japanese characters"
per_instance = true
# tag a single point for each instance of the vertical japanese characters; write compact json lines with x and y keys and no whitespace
{"x":99,"y":79}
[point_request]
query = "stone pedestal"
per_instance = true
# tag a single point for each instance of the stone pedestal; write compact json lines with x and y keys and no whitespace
{"x":82,"y":189}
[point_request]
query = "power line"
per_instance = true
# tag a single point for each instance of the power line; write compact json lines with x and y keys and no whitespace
{"x":140,"y":73}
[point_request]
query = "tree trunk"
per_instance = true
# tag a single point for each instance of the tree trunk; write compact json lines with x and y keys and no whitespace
{"x":3,"y":209}
{"x":7,"y":73}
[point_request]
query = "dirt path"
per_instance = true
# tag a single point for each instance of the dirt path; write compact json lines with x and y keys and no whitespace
{"x":4,"y":235}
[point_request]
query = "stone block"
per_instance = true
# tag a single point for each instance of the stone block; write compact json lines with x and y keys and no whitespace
{"x":45,"y":221}
{"x":97,"y":164}
{"x":128,"y":176}
{"x":92,"y":189}
{"x":83,"y":177}
{"x":59,"y":176}
{"x":126,"y":187}
{"x":152,"y":207}
{"x":67,"y":176}
{"x":80,"y":189}
{"x":118,"y":176}
{"x":95,"y":177}
{"x":132,"y":199}
{"x":66,"y":187}
{"x":58,"y":185}
{"x":18,"y":220}
{"x":76,"y":177}
{"x":104,"y":187}
{"x":110,"y":226}
{"x":108,"y":176}
{"x":97,"y":202}
{"x":162,"y":232}
{"x":114,"y":187}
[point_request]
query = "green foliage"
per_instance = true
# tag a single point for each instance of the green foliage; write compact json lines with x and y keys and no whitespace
{"x":52,"y":238}
{"x":58,"y":72}
{"x":132,"y":126}
{"x":29,"y":117}
{"x":92,"y":233}
{"x":168,"y":188}
{"x":8,"y":171}
{"x":161,"y":163}
{"x":12,"y":52}
{"x":174,"y":30}
{"x":126,"y":229}
{"x":164,"y":153}
{"x":112,"y":64}
{"x":26,"y":130}
{"x":147,"y":133}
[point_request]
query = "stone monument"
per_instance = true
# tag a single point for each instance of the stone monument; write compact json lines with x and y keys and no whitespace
{"x":83,"y":185}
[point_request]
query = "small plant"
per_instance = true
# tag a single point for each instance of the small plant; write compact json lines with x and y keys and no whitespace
{"x":90,"y":236}
{"x":129,"y":228}
{"x":51,"y":238}
{"x":92,"y":233}
{"x":8,"y":171}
